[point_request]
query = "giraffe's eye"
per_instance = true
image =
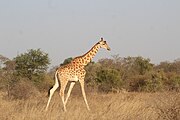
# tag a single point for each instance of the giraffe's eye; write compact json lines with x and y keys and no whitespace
{"x":104,"y":42}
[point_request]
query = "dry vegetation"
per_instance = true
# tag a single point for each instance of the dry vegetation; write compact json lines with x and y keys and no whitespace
{"x":153,"y":90}
{"x":121,"y":106}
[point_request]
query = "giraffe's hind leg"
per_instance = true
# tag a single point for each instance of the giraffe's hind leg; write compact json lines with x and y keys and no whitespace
{"x":51,"y":91}
{"x":61,"y":93}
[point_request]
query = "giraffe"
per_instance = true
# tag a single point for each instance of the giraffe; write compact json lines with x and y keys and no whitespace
{"x":73,"y":72}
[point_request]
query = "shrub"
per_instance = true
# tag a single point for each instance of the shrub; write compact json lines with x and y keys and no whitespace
{"x":43,"y":83}
{"x":173,"y":81}
{"x":108,"y":79}
{"x":176,"y":83}
{"x":150,"y":82}
{"x":137,"y":82}
{"x":23,"y":89}
{"x":91,"y":70}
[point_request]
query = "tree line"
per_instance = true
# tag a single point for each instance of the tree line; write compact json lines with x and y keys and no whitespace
{"x":28,"y":71}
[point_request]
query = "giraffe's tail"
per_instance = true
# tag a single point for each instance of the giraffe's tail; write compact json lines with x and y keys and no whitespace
{"x":56,"y":85}
{"x":49,"y":91}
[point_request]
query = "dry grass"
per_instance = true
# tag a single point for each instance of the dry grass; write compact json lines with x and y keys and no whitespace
{"x":121,"y":106}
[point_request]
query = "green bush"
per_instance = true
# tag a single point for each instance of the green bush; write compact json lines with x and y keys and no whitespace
{"x":150,"y":82}
{"x":136,"y":83}
{"x":44,"y":82}
{"x":108,"y":79}
{"x":172,"y":82}
{"x":66,"y":61}
{"x":176,"y":83}
{"x":91,"y":70}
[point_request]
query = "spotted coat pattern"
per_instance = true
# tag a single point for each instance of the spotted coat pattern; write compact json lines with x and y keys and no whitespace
{"x":73,"y":72}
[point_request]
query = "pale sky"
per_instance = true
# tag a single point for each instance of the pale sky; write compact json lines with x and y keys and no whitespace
{"x":69,"y":28}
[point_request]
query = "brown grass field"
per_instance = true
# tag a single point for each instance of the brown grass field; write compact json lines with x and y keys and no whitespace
{"x":119,"y":106}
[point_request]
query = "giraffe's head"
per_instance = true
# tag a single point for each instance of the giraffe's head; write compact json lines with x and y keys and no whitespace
{"x":103,"y":44}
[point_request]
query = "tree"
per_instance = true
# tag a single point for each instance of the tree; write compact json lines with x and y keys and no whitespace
{"x":143,"y":65}
{"x":165,"y":66}
{"x":32,"y":63}
{"x":3,"y":60}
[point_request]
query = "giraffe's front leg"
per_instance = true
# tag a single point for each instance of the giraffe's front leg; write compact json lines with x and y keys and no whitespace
{"x":69,"y":91}
{"x":83,"y":92}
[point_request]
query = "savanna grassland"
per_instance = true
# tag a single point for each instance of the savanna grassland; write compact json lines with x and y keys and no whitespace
{"x":117,"y":88}
{"x":119,"y":106}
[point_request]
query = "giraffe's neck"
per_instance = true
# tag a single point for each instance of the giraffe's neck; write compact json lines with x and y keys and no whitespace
{"x":87,"y":57}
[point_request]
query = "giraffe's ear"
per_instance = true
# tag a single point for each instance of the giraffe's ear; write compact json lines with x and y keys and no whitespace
{"x":101,"y":39}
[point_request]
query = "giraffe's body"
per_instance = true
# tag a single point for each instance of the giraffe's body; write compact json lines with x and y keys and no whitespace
{"x":74,"y":71}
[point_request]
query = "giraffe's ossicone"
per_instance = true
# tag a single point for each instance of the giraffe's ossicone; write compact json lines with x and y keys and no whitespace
{"x":74,"y":71}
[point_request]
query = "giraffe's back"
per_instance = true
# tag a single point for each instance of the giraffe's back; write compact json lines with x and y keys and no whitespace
{"x":71,"y":72}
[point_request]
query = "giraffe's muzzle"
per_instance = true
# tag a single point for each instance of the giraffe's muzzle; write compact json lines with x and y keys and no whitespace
{"x":109,"y":49}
